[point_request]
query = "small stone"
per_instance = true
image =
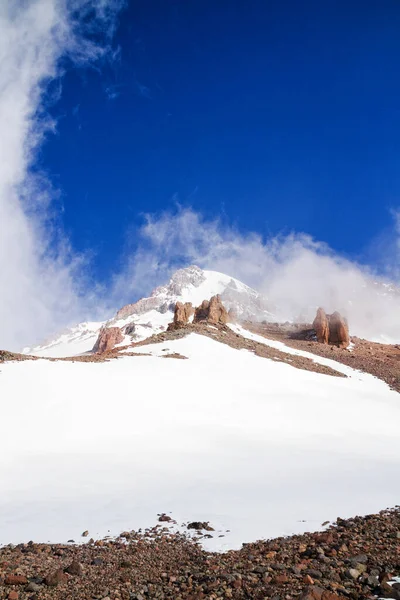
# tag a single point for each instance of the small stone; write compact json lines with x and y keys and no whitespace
{"x":279,"y":579}
{"x":260,"y":570}
{"x":163,"y":518}
{"x":75,"y":568}
{"x":199,"y":525}
{"x":314,"y":573}
{"x":33,"y":587}
{"x":125,"y":534}
{"x":353,"y":573}
{"x":85,"y":533}
{"x":55,"y":578}
{"x":372,"y":581}
{"x":15,"y":580}
{"x":360,"y":558}
{"x":13,"y":595}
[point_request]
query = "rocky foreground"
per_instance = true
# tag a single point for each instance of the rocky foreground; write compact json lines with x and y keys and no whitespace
{"x":354,"y":558}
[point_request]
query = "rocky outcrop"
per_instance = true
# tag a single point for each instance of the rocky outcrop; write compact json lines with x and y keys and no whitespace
{"x":321,"y":326}
{"x":338,"y":330}
{"x":130,"y":329}
{"x":331,"y":329}
{"x":212,"y":311}
{"x":182,"y":314}
{"x":201,"y":312}
{"x":217,"y":312}
{"x":108,"y":338}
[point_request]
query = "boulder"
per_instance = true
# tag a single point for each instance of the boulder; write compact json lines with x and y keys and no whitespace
{"x":321,"y":326}
{"x":108,"y":337}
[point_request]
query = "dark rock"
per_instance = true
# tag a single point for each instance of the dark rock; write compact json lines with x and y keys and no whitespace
{"x":33,"y":587}
{"x":314,"y":573}
{"x":163,"y":518}
{"x":199,"y":525}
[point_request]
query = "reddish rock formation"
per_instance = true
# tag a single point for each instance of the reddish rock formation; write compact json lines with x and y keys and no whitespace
{"x":331,"y":329}
{"x":338,"y":330}
{"x":217,"y":312}
{"x":182,"y":314}
{"x":201,"y":312}
{"x":321,"y":326}
{"x":108,"y":337}
{"x":211,"y":310}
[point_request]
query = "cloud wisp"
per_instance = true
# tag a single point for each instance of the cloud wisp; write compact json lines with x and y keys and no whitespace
{"x":295,"y":272}
{"x":39,"y":274}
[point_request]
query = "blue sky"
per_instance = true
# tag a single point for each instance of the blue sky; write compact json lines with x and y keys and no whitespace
{"x":277,"y":116}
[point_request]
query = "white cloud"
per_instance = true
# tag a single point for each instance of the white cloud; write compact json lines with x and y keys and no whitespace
{"x":297,"y":273}
{"x":38,"y":273}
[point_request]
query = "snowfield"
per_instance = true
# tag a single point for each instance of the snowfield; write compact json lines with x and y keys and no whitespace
{"x":254,"y":446}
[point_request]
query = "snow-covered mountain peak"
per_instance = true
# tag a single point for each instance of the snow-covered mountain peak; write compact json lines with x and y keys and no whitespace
{"x":194,"y":285}
{"x":150,"y":315}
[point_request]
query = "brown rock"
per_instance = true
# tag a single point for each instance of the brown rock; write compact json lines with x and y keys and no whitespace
{"x":75,"y":568}
{"x":280,"y":579}
{"x":212,"y":311}
{"x":338,"y":330}
{"x":108,"y":337}
{"x":217,"y":312}
{"x":182,"y":314}
{"x":15,"y":580}
{"x":321,"y":326}
{"x":331,"y":329}
{"x":164,"y":518}
{"x":315,"y":592}
{"x":13,"y":595}
{"x":55,"y":578}
{"x":201,"y":312}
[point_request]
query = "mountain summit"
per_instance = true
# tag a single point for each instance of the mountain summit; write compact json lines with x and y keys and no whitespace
{"x":151,"y":315}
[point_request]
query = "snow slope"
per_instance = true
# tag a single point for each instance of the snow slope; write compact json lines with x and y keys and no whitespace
{"x":254,"y":446}
{"x":74,"y":341}
{"x":152,"y":315}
